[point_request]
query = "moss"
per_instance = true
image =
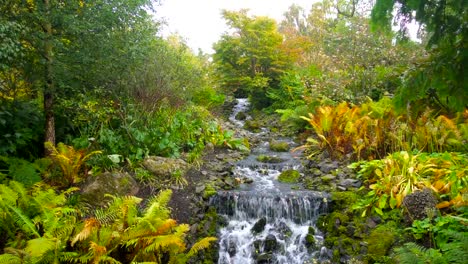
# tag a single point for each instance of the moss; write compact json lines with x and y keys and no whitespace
{"x":252,"y":125}
{"x":289,"y":176}
{"x":279,"y":146}
{"x":269,"y":159}
{"x":380,"y":241}
{"x":343,"y":200}
{"x":209,"y":191}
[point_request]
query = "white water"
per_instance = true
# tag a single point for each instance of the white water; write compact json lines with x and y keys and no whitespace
{"x":288,"y":213}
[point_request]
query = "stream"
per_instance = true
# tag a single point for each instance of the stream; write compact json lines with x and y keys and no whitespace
{"x":269,"y":221}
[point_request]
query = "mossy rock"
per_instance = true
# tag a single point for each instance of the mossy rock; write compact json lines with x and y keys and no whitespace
{"x":252,"y":125}
{"x":94,"y":190}
{"x":380,"y":241}
{"x":343,"y":200}
{"x":289,"y":176}
{"x":241,"y":116}
{"x":279,"y":146}
{"x":163,"y":167}
{"x":209,"y":191}
{"x":269,"y":159}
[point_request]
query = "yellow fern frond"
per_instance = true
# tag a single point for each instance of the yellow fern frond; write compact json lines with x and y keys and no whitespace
{"x":90,"y":225}
{"x":166,"y":226}
{"x":202,"y":244}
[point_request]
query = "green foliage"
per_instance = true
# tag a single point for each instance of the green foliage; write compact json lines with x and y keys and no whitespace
{"x":440,"y":79}
{"x":448,"y":237}
{"x":23,"y":171}
{"x":250,"y":60}
{"x":21,"y":126}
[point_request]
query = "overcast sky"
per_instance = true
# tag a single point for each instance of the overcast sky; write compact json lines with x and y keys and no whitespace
{"x":200,"y":21}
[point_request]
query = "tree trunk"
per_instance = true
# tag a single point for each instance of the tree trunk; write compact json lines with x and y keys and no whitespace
{"x":49,"y":82}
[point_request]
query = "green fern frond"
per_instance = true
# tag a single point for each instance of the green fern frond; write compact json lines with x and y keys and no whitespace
{"x":455,"y":251}
{"x":158,"y":206}
{"x":412,"y":253}
{"x":23,"y":221}
{"x":10,"y":259}
{"x":39,"y":246}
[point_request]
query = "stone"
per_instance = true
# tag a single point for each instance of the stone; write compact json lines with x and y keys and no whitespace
{"x":327,"y":178}
{"x":418,"y":204}
{"x":259,"y":226}
{"x":247,"y":180}
{"x":199,"y":188}
{"x":163,"y":167}
{"x":289,"y":176}
{"x":350,"y":183}
{"x":264,"y":258}
{"x":269,"y":159}
{"x":328,"y":166}
{"x":115,"y":183}
{"x":284,"y":230}
{"x":279,"y":146}
{"x":271,"y":244}
{"x":240,"y":116}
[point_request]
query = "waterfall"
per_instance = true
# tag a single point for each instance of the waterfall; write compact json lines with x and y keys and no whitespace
{"x":267,"y":221}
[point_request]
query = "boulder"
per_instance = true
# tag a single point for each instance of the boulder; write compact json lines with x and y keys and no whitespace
{"x":259,"y":226}
{"x":240,"y":116}
{"x":264,"y":259}
{"x":269,"y":159}
{"x":289,"y":176}
{"x":279,"y":146}
{"x":327,"y":166}
{"x":271,"y":244}
{"x":350,"y":183}
{"x":418,"y":204}
{"x":95,"y":188}
{"x":165,"y":167}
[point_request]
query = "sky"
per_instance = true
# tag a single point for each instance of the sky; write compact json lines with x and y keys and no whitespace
{"x":200,"y":22}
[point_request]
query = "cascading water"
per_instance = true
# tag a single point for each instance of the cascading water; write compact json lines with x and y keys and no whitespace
{"x":267,"y":221}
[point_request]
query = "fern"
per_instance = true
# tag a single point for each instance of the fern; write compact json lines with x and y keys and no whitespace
{"x":10,"y":259}
{"x":200,"y":245}
{"x":455,"y":251}
{"x":158,"y":206}
{"x":412,"y":253}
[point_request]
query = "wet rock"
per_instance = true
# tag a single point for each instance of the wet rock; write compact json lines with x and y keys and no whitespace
{"x":271,"y":244}
{"x":115,"y":183}
{"x":269,"y":159}
{"x":240,"y":116}
{"x":165,"y":167}
{"x":350,"y":183}
{"x":419,"y":204}
{"x":265,"y":258}
{"x":199,"y":189}
{"x":328,"y":178}
{"x":279,"y":146}
{"x":247,"y":180}
{"x":259,"y":226}
{"x":289,"y":176}
{"x":231,"y":248}
{"x":327,"y":166}
{"x":284,"y":230}
{"x":252,"y":125}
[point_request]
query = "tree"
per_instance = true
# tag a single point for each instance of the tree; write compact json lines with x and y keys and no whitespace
{"x":65,"y":47}
{"x":250,"y":60}
{"x":441,"y":78}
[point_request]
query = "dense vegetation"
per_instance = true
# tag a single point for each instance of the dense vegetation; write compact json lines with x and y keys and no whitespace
{"x":93,"y":80}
